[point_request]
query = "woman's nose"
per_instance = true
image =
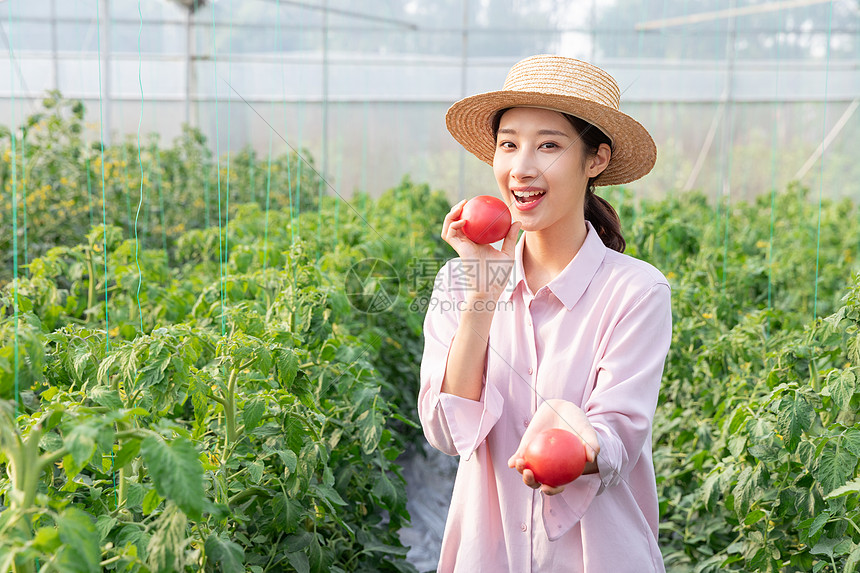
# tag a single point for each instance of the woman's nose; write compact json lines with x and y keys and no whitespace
{"x":524,"y":167}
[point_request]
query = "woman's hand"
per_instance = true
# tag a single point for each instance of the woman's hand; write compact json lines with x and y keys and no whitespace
{"x":562,"y":414}
{"x":493,"y":267}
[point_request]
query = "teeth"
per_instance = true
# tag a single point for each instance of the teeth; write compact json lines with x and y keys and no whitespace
{"x":528,"y":194}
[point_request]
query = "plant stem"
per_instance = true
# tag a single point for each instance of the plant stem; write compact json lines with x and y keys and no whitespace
{"x":230,"y":413}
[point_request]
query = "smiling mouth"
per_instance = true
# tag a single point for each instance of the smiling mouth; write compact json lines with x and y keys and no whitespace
{"x":528,"y":196}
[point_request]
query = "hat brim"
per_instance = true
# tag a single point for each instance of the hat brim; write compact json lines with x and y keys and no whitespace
{"x":634,"y":152}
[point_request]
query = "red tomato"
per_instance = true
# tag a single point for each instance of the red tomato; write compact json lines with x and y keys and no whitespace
{"x":487,"y":219}
{"x":555,"y":457}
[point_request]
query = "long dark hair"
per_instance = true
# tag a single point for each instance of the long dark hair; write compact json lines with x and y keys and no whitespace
{"x":598,"y":211}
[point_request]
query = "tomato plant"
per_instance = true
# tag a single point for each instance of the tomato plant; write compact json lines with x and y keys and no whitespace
{"x":555,"y":457}
{"x":487,"y":219}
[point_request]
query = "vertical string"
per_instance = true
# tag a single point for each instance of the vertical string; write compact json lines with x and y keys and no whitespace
{"x":229,"y":116}
{"x":104,"y":195}
{"x":218,"y":173}
{"x":821,"y":167}
{"x":140,"y":164}
{"x":773,"y":152}
{"x":12,"y":136}
{"x":24,"y":196}
{"x":269,"y":159}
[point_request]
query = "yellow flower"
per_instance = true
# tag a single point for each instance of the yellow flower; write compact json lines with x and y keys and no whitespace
{"x":707,"y":316}
{"x":762,"y":244}
{"x":671,"y":275}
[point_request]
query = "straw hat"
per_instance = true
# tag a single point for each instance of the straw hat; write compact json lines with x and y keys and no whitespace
{"x":566,"y":85}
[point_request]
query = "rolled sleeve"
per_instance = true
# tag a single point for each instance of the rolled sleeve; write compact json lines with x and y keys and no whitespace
{"x":451,"y":424}
{"x":621,"y":407}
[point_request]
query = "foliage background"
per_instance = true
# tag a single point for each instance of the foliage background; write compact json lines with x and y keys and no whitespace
{"x":234,"y":412}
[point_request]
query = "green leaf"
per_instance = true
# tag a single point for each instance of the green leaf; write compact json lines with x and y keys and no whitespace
{"x":754,"y":516}
{"x":255,"y":471}
{"x":299,"y":561}
{"x":711,"y":490}
{"x":852,"y":486}
{"x":81,"y":443}
{"x":290,"y":459}
{"x":151,"y":501}
{"x":825,"y":546}
{"x":129,"y":450}
{"x":842,"y":388}
{"x":253,"y":412}
{"x":80,"y":552}
{"x":369,"y":429}
{"x":166,"y":547}
{"x":288,"y":513}
{"x":198,"y":391}
{"x":835,"y":465}
{"x":743,"y":492}
{"x":851,"y":441}
{"x":104,"y":524}
{"x":176,"y":471}
{"x":106,"y":397}
{"x":818,"y":522}
{"x":853,"y":560}
{"x":795,"y":416}
{"x":229,"y":555}
{"x":105,"y":366}
{"x":287,"y":365}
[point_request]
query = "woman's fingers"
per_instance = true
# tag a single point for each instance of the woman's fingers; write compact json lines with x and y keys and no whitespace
{"x":453,"y":215}
{"x":510,"y":243}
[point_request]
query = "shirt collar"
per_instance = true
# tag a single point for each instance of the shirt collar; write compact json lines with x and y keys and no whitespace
{"x":572,"y":281}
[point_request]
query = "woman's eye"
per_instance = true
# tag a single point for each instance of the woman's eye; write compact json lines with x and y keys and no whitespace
{"x":506,"y":145}
{"x":549,"y":145}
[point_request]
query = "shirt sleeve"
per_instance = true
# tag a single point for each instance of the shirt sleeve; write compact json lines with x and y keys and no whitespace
{"x":451,"y":424}
{"x":621,"y":406}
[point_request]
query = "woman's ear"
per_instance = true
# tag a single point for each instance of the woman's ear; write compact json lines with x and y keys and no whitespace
{"x":598,"y":162}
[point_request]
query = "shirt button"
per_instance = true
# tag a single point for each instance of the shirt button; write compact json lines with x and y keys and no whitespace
{"x":523,"y":526}
{"x":531,"y":370}
{"x":525,"y":423}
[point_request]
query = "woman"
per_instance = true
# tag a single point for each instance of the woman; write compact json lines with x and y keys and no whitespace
{"x":558,"y":330}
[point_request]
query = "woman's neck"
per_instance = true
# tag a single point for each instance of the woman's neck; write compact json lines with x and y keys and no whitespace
{"x":547,"y":252}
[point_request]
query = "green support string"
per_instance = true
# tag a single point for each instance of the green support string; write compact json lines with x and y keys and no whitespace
{"x":12,"y":134}
{"x":218,"y":173}
{"x":773,"y":152}
{"x":229,"y":117}
{"x":821,"y":159}
{"x":104,"y":187}
{"x":24,"y":200}
{"x":142,"y":177}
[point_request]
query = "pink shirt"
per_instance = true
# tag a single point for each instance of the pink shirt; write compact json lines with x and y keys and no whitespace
{"x":596,"y":335}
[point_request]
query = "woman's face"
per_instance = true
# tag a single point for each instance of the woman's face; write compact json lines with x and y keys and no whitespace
{"x":539,"y":151}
